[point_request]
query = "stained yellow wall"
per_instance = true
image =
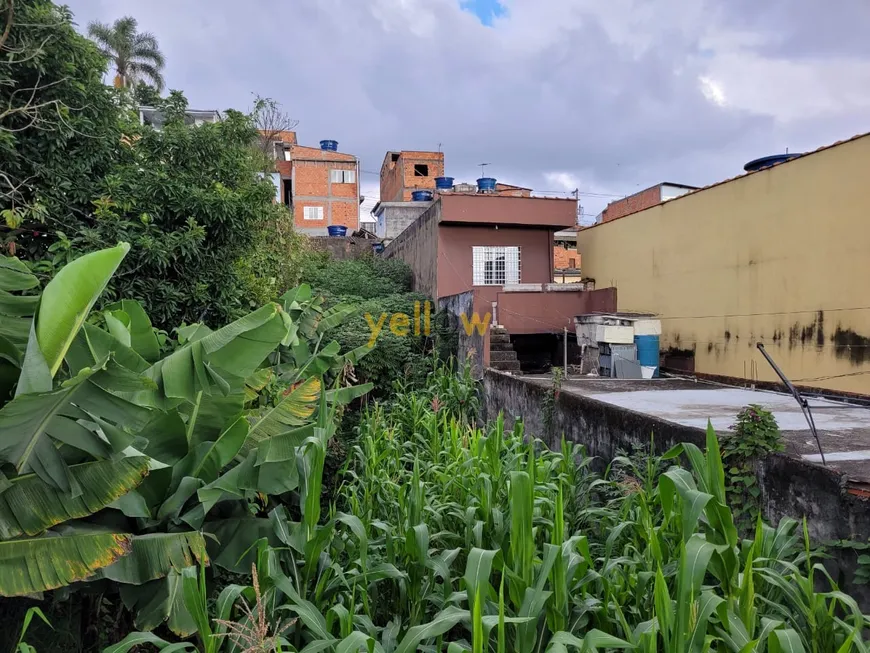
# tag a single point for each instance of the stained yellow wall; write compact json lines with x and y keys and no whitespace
{"x":781,"y":256}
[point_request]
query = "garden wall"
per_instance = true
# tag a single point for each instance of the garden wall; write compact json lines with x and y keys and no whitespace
{"x":790,"y":487}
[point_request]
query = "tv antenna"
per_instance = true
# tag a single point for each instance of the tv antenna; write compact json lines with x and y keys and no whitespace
{"x":483,"y":169}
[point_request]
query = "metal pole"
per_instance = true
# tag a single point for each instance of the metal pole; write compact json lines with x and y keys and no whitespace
{"x":803,"y":403}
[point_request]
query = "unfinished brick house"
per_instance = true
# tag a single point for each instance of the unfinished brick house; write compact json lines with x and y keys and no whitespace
{"x":644,"y":199}
{"x":409,"y":170}
{"x":319,"y":184}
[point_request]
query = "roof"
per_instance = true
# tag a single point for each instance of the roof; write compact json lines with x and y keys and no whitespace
{"x":302,"y":153}
{"x":286,"y":136}
{"x":501,"y":186}
{"x":740,"y":176}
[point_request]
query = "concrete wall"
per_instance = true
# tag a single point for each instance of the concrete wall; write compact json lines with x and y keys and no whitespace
{"x":550,"y":312}
{"x":778,"y":256}
{"x":418,"y":247}
{"x":473,"y":347}
{"x":394,"y":217}
{"x":790,"y":487}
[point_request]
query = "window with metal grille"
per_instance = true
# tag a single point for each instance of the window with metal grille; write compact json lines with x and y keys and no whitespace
{"x":495,"y":266}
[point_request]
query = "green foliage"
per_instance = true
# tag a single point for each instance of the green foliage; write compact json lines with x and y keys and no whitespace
{"x":60,"y":137}
{"x":135,"y":55}
{"x":118,"y":458}
{"x":378,"y":289}
{"x":79,"y":171}
{"x":461,"y":539}
{"x":367,"y":277}
{"x":755,"y":434}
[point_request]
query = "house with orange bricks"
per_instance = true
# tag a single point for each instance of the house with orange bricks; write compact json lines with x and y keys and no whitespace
{"x":319,"y":184}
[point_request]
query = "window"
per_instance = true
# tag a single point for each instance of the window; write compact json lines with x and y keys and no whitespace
{"x":312,"y":213}
{"x":495,"y":266}
{"x":342,"y":176}
{"x":421,"y":170}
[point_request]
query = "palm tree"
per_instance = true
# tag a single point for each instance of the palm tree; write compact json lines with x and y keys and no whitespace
{"x":136,"y":55}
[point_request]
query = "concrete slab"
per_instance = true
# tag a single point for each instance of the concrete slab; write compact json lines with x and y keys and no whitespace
{"x":844,"y":429}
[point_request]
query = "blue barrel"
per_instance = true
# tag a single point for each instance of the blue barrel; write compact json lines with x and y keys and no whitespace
{"x":648,"y":352}
{"x":330,"y":146}
{"x":444,"y":183}
{"x":421,"y":196}
{"x":486,"y":183}
{"x":377,"y":248}
{"x":336,"y":230}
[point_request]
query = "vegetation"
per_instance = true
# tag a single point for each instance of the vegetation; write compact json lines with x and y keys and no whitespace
{"x":755,"y":434}
{"x":135,"y":55}
{"x":455,"y":538}
{"x":379,"y":288}
{"x":126,"y":460}
{"x":78,"y":172}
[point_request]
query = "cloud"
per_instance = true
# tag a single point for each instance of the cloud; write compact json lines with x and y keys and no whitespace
{"x":618,"y":95}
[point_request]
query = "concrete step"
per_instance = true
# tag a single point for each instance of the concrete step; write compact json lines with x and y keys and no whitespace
{"x":502,"y":356}
{"x":500,"y":346}
{"x":505,"y":366}
{"x":499,"y":337}
{"x":498,"y":331}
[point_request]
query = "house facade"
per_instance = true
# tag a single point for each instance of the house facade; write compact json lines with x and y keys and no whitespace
{"x":777,"y":256}
{"x":404,"y":172}
{"x":492,"y":256}
{"x":319,"y":184}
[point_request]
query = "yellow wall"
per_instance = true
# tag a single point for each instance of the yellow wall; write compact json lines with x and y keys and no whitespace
{"x":781,"y":256}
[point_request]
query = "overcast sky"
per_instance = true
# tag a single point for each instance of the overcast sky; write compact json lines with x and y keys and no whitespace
{"x":608,"y":96}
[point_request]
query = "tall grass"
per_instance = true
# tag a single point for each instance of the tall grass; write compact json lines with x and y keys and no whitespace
{"x":453,"y":538}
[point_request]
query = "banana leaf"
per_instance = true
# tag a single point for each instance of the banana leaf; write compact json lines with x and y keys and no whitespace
{"x":28,"y":566}
{"x":153,"y":556}
{"x":69,"y":297}
{"x":30,"y":505}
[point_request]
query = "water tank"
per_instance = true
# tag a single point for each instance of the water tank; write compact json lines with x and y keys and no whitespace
{"x":767,"y":161}
{"x":421,"y":196}
{"x":443,"y":183}
{"x":648,"y":354}
{"x":336,"y":230}
{"x":486,"y":184}
{"x":329,"y":146}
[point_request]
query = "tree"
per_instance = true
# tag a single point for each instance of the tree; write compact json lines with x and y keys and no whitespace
{"x":136,"y":55}
{"x":59,"y":124}
{"x":270,"y":120}
{"x":193,"y":205}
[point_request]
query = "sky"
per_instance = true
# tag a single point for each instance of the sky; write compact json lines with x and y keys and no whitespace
{"x":604,"y":96}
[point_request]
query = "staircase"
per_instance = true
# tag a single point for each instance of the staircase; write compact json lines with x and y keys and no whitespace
{"x":501,"y":352}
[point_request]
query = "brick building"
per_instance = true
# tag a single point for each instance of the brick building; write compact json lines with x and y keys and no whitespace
{"x":320,"y":185}
{"x":643,"y":200}
{"x":409,"y":170}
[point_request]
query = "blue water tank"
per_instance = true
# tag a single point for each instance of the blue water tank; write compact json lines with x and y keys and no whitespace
{"x":443,"y":183}
{"x":421,"y":196}
{"x":485,"y":184}
{"x":329,"y":146}
{"x":648,"y":352}
{"x":767,"y":161}
{"x":336,"y":230}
